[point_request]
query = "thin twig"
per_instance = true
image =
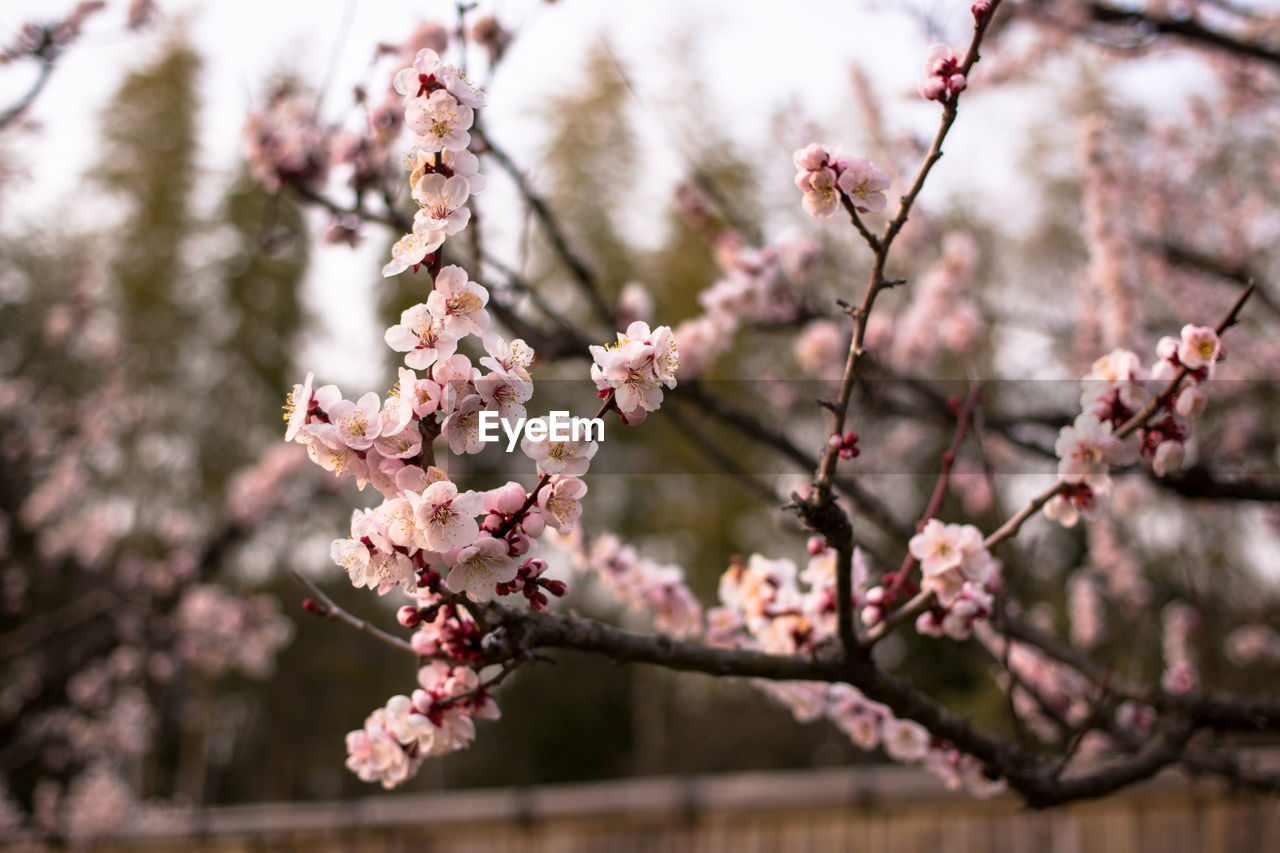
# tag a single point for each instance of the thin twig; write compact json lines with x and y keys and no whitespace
{"x":331,"y":610}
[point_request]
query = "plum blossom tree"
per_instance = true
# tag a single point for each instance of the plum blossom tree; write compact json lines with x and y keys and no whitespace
{"x":808,"y":638}
{"x":861,"y":569}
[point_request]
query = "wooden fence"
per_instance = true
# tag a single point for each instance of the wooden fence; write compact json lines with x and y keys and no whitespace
{"x":884,"y":810}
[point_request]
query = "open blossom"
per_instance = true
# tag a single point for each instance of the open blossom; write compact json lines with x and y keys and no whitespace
{"x":560,"y":502}
{"x":441,"y":203}
{"x":1199,"y":346}
{"x":509,"y":357}
{"x":439,"y":122}
{"x":567,"y":458}
{"x":864,"y":183}
{"x":1068,"y":507}
{"x":412,"y":82}
{"x":1086,"y":451}
{"x":823,"y":176}
{"x":904,"y":740}
{"x":479,"y":568}
{"x":446,"y":516}
{"x":296,"y":408}
{"x":821,"y":199}
{"x":411,"y":249}
{"x":950,"y":556}
{"x":462,"y":426}
{"x":357,"y":424}
{"x":459,"y":303}
{"x":375,"y":755}
{"x":422,"y":337}
{"x":637,"y":366}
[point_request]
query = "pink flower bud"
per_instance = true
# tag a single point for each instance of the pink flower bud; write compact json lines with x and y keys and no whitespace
{"x":423,"y":643}
{"x":816,"y":545}
{"x":981,"y":10}
{"x":811,"y":157}
{"x":408,"y":616}
{"x":533,"y":525}
{"x":492,"y":523}
{"x":871,"y":615}
{"x":519,"y":545}
{"x":934,"y":89}
{"x":835,"y":441}
{"x":1191,"y":402}
{"x":505,"y":500}
{"x":956,"y":83}
{"x":556,"y":588}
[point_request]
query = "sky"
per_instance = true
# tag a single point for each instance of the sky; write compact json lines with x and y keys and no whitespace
{"x":750,"y":56}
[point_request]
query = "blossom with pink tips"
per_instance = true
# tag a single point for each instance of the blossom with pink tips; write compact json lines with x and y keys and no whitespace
{"x":945,"y":79}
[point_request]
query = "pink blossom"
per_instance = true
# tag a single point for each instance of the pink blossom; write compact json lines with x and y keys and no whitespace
{"x":459,"y":303}
{"x":1087,"y":450}
{"x":357,"y":424}
{"x":560,"y":502}
{"x":411,"y":249}
{"x":479,"y":568}
{"x":864,"y":183}
{"x":446,"y":516}
{"x":411,"y":82}
{"x":439,"y":122}
{"x":904,"y":740}
{"x":566,"y":458}
{"x":296,"y":408}
{"x":441,"y":203}
{"x":821,"y":199}
{"x":462,"y":426}
{"x":1199,"y":346}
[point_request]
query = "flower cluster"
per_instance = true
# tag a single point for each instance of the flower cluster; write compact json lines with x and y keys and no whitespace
{"x":635,"y":369}
{"x":827,"y":177}
{"x":644,"y":585}
{"x":284,"y":143}
{"x":437,"y":719}
{"x":218,"y":631}
{"x":439,"y":106}
{"x":944,"y":79}
{"x":771,"y":606}
{"x":1116,"y":389}
{"x":432,"y":540}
